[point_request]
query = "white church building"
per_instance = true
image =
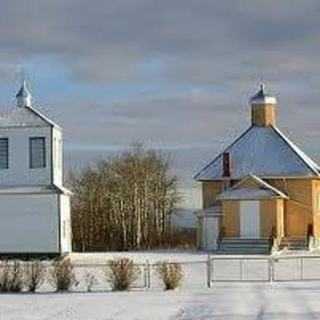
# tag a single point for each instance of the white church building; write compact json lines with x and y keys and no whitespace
{"x":34,"y":205}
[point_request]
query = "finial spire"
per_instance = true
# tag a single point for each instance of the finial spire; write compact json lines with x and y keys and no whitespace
{"x":263,"y":108}
{"x":24,"y":96}
{"x":261,"y":97}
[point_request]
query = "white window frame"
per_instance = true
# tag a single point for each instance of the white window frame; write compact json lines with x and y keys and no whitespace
{"x":33,"y":165}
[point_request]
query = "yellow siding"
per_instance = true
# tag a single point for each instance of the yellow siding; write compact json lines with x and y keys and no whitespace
{"x":299,"y":190}
{"x":268,"y":215}
{"x":210,"y":190}
{"x":298,"y":210}
{"x":316,"y":207}
{"x":290,"y":217}
{"x":231,"y":221}
{"x":263,"y":115}
{"x":249,"y":183}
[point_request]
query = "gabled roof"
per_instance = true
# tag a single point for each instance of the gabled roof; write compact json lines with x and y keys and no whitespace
{"x":264,"y":152}
{"x":25,"y":117}
{"x":251,"y":188}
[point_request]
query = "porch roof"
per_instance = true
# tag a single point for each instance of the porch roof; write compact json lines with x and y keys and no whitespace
{"x":252,"y":188}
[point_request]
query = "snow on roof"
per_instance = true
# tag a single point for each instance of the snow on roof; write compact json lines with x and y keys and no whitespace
{"x":45,"y":189}
{"x":27,"y":189}
{"x":262,"y":151}
{"x":25,"y":117}
{"x":246,"y":194}
{"x":241,"y":191}
{"x":262,"y":98}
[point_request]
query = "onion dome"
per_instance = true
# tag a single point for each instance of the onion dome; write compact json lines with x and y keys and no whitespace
{"x":24,"y":96}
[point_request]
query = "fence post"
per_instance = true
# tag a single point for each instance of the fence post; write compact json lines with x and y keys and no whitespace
{"x":271,"y":269}
{"x":145,"y":277}
{"x":148,"y":276}
{"x":209,"y":271}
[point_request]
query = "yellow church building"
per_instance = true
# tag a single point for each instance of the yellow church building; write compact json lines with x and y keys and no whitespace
{"x":261,"y":192}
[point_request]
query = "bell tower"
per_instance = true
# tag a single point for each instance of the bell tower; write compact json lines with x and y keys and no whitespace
{"x":263,"y":109}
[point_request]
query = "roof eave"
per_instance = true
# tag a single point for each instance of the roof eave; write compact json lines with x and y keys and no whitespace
{"x":43,"y":117}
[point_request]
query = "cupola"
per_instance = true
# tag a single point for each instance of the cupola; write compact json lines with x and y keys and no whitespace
{"x":24,"y":96}
{"x":263,"y":109}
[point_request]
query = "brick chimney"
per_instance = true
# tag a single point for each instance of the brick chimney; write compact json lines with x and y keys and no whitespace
{"x":263,"y":109}
{"x":226,"y":163}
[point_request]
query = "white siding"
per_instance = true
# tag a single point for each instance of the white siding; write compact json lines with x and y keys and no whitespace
{"x":65,"y":225}
{"x":19,"y":172}
{"x":210,"y":232}
{"x":29,"y":223}
{"x":57,"y":157}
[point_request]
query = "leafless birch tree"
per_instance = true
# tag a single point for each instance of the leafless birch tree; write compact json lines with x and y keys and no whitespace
{"x":124,"y":203}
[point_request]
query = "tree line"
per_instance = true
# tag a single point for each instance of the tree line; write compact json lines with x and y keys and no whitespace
{"x":124,"y":202}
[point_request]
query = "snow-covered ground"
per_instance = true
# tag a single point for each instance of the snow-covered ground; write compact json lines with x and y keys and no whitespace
{"x":193,"y":263}
{"x":280,"y":267}
{"x":193,"y":301}
{"x":231,"y":301}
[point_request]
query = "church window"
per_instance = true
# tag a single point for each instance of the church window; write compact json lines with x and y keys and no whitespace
{"x":37,"y":152}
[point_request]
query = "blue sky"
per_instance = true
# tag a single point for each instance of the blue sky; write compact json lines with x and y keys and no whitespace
{"x":174,"y":74}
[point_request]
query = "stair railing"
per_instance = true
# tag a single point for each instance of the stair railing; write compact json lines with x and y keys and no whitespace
{"x":310,"y":237}
{"x":221,"y":235}
{"x":273,"y":241}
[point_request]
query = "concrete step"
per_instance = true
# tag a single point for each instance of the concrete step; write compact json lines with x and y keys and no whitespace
{"x":239,"y":240}
{"x":295,"y":243}
{"x":244,"y":246}
{"x":243,"y":251}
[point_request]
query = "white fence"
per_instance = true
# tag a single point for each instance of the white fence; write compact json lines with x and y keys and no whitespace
{"x":195,"y":275}
{"x":224,"y":269}
{"x":198,"y":274}
{"x":263,"y":269}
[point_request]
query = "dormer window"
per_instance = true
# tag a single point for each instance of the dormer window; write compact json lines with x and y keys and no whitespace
{"x":37,"y":152}
{"x":4,"y":153}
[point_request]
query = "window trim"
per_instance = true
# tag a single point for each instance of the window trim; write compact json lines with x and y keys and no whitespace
{"x":7,"y":140}
{"x":31,"y":166}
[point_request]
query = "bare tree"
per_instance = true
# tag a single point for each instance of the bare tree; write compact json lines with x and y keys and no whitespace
{"x":124,"y":202}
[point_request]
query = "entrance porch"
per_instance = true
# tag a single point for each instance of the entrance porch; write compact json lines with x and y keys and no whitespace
{"x":252,"y":215}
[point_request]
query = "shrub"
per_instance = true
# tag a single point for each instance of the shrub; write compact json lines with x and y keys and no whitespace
{"x":62,"y":274}
{"x":122,"y":273}
{"x":34,"y":271}
{"x":11,"y":276}
{"x":171,"y":274}
{"x":4,"y":276}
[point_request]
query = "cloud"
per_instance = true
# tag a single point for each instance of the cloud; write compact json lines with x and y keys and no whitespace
{"x":197,"y":41}
{"x":191,"y":64}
